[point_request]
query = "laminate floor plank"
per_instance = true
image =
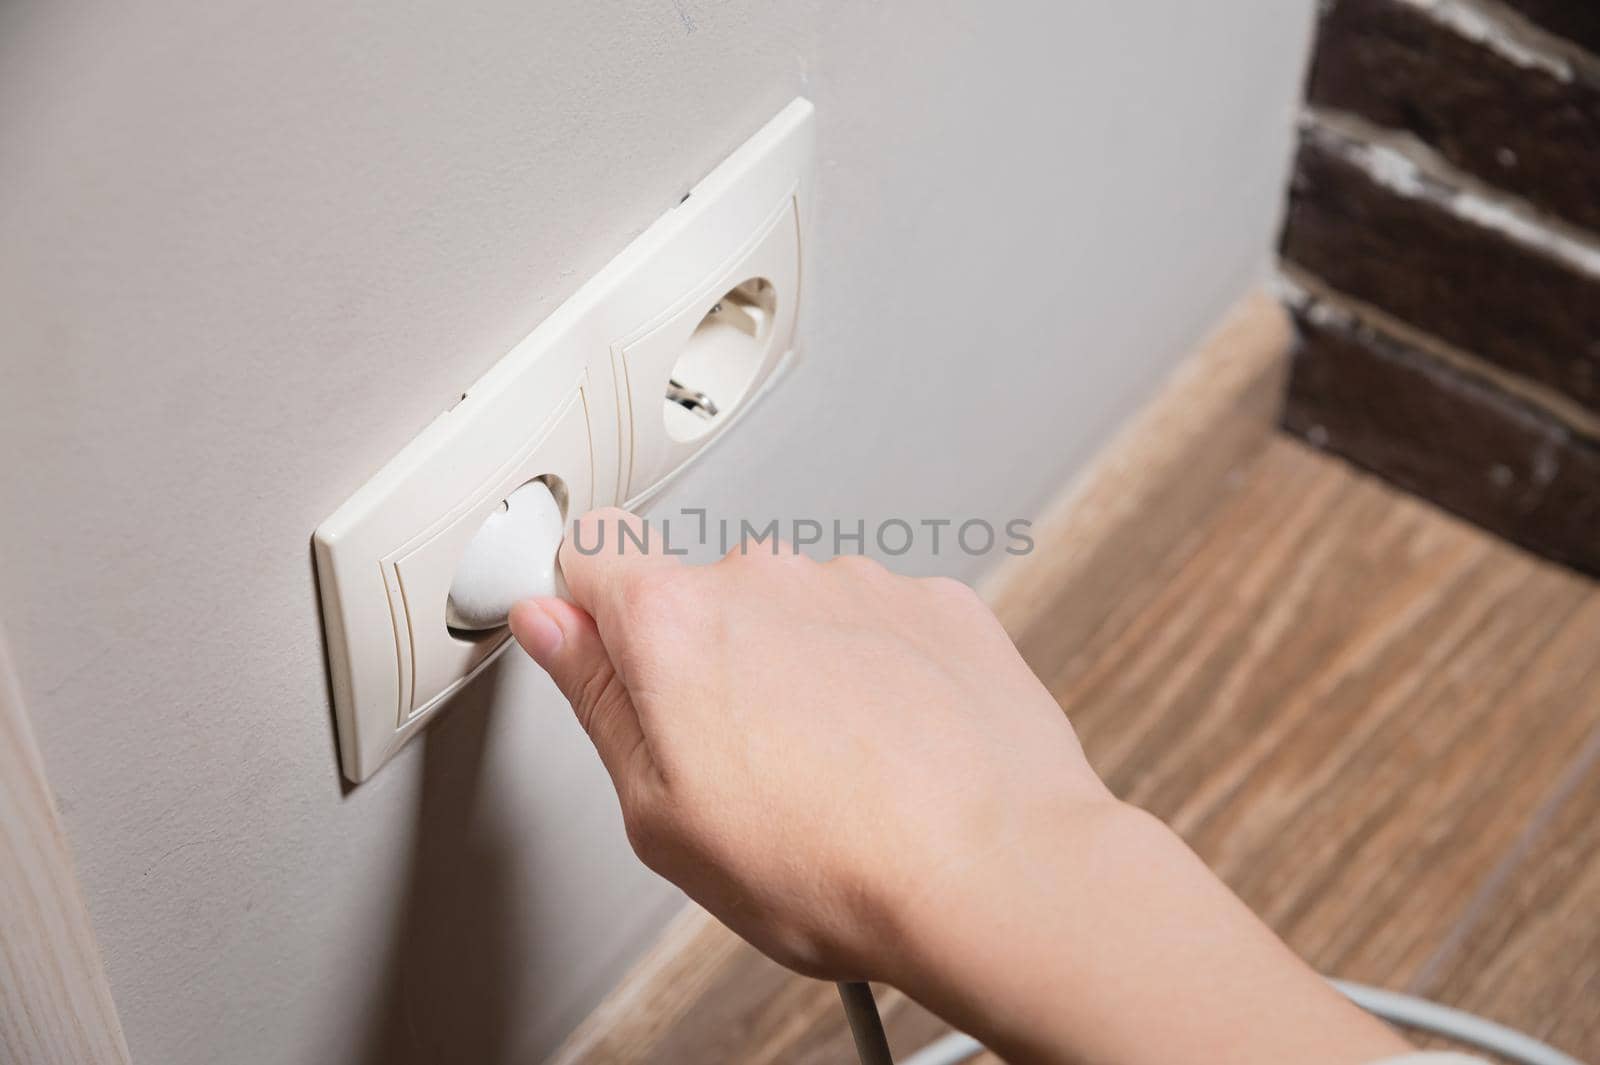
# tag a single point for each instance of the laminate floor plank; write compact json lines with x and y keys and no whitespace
{"x":1378,"y":724}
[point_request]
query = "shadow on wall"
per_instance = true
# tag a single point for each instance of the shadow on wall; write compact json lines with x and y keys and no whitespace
{"x":450,"y":980}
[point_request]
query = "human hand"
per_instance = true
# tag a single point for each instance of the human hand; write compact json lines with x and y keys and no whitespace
{"x":805,"y":748}
{"x":858,"y":774}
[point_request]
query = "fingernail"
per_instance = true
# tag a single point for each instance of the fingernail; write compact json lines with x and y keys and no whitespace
{"x":536,"y":631}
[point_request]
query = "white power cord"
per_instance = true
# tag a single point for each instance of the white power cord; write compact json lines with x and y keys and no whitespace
{"x":946,"y":1050}
{"x":1407,"y":1011}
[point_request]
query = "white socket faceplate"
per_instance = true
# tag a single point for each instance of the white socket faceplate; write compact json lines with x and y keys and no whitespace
{"x":579,"y":402}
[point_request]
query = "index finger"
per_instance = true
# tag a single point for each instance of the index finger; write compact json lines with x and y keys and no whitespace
{"x":606,"y":554}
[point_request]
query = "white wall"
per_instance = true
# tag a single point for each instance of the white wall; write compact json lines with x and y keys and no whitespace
{"x":247,"y":250}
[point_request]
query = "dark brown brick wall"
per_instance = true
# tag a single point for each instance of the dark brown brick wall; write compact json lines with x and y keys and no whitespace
{"x":1449,"y":319}
{"x":1522,"y":129}
{"x":1459,"y":441}
{"x":1576,"y":20}
{"x":1470,"y":286}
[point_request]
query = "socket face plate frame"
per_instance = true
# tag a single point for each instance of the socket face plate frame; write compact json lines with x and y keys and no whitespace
{"x":557,"y":405}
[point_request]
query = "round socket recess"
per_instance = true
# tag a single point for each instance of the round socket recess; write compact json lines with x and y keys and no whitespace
{"x":721,"y":360}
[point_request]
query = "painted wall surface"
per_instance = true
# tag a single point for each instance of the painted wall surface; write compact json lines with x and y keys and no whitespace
{"x":248,"y":250}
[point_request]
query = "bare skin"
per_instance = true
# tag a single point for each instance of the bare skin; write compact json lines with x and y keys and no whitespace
{"x":857,"y":773}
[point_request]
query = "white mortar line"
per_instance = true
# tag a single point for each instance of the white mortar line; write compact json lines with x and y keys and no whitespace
{"x":1485,"y":26}
{"x":1442,"y":185}
{"x":1329,"y":308}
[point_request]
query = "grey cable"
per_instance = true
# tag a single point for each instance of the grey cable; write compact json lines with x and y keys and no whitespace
{"x":1407,"y":1011}
{"x":951,"y":1049}
{"x":866,"y":1026}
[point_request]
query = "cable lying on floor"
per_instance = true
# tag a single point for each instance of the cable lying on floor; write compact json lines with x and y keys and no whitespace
{"x":1407,"y":1011}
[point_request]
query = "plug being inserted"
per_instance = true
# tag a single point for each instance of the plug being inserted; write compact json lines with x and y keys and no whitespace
{"x":512,"y":557}
{"x":615,"y":392}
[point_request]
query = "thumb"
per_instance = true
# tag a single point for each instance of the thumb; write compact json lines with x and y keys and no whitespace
{"x":563,"y":640}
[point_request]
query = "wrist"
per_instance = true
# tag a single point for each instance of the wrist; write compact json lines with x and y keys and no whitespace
{"x":984,"y":887}
{"x":1078,"y":936}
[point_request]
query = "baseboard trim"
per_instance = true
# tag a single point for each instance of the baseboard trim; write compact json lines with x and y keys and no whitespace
{"x":1149,"y":489}
{"x":55,"y":1003}
{"x":655,"y":994}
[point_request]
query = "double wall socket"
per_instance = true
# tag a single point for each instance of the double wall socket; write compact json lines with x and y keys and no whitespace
{"x":606,"y":400}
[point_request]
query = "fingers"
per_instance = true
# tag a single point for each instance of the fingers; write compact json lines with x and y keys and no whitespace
{"x":606,"y":556}
{"x":564,"y":641}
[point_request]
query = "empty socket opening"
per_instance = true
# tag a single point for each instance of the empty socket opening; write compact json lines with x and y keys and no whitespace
{"x":720,"y":361}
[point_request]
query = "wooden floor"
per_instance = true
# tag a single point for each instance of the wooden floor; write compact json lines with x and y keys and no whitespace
{"x":1380,"y":726}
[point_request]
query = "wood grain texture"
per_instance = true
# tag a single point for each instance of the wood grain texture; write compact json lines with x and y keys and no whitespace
{"x":1427,"y":262}
{"x":1151,"y":488}
{"x":1533,"y":956}
{"x":1353,"y":707}
{"x":1515,"y":126}
{"x":1579,"y":23}
{"x":1452,"y":436}
{"x":1378,"y":724}
{"x":55,"y":1004}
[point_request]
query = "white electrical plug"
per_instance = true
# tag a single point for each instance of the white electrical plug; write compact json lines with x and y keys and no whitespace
{"x":511,"y":558}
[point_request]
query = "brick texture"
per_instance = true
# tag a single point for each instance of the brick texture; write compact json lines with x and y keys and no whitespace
{"x":1527,"y":312}
{"x":1517,"y":127}
{"x":1457,"y":440}
{"x":1576,"y":20}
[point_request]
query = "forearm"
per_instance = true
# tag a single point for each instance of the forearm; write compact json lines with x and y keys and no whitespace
{"x":862,"y":776}
{"x":1096,"y":935}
